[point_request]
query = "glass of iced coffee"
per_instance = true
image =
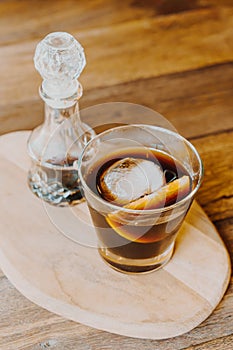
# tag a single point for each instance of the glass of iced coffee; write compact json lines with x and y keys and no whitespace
{"x":139,"y":182}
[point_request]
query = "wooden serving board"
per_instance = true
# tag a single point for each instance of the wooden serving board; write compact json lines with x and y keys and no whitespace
{"x":70,"y":279}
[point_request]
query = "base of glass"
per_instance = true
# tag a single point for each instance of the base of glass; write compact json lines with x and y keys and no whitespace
{"x":56,"y":194}
{"x":136,"y":266}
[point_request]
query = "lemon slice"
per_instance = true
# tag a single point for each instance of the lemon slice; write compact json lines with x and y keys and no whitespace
{"x":166,"y":195}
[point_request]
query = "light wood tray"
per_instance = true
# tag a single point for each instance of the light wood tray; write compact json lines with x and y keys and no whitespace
{"x":71,"y":280}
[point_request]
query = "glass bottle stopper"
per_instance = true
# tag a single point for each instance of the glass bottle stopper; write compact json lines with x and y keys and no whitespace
{"x":60,"y":59}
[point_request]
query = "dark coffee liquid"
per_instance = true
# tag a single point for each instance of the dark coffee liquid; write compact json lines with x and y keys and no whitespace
{"x":171,"y":167}
{"x":137,"y":241}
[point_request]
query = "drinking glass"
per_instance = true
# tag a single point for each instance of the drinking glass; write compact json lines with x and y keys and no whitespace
{"x":137,"y":240}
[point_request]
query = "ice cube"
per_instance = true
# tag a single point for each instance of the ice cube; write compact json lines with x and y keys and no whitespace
{"x":166,"y":195}
{"x":129,"y":179}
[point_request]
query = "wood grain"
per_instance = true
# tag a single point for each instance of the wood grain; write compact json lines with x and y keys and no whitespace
{"x":221,"y":343}
{"x":144,"y":57}
{"x":175,"y":57}
{"x":39,"y":327}
{"x":215,"y":198}
{"x":26,"y":263}
{"x":191,"y":101}
{"x":39,"y":18}
{"x":83,"y":288}
{"x":226,"y":229}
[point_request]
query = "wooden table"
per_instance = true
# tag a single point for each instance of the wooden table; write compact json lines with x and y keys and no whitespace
{"x":172,"y":56}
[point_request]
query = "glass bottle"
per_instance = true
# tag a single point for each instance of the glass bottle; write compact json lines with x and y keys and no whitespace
{"x":54,"y":147}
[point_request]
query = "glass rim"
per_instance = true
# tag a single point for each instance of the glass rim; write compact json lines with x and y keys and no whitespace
{"x":145,"y":211}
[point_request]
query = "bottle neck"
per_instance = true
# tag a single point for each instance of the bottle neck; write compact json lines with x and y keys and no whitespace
{"x":56,"y":116}
{"x":59,"y":108}
{"x":58,"y":100}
